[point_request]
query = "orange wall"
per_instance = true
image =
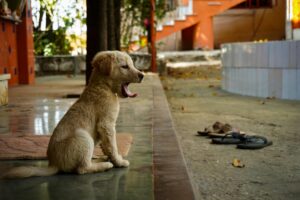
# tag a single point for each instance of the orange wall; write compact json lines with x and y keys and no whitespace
{"x":203,"y":35}
{"x":238,"y":25}
{"x":198,"y":27}
{"x":170,"y":43}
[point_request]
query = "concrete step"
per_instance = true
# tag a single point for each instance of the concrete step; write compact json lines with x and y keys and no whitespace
{"x":189,"y":56}
{"x":201,"y":64}
{"x":199,"y":69}
{"x":212,"y":63}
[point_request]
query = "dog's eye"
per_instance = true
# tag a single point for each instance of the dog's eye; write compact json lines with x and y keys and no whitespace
{"x":125,"y":66}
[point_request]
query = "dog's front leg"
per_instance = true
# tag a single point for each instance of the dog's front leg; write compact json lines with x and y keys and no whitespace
{"x":109,"y":146}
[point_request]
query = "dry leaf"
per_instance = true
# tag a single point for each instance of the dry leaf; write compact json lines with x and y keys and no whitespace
{"x":182,"y":108}
{"x":262,"y":102}
{"x":237,"y":163}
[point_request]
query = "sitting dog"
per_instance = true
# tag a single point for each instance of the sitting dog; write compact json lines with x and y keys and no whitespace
{"x":90,"y":121}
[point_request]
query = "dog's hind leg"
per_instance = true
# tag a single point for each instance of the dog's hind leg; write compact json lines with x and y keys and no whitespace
{"x":86,"y":147}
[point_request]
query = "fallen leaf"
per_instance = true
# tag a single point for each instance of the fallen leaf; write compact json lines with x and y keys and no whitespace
{"x":262,"y":102}
{"x":182,"y":108}
{"x":237,"y":163}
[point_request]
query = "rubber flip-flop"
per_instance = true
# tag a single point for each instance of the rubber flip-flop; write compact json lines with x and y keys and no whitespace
{"x":230,"y":138}
{"x":254,"y":142}
{"x":203,"y":133}
{"x":222,"y":134}
{"x":216,"y":135}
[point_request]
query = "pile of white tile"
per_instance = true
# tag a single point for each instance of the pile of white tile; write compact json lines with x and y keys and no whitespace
{"x":4,"y":89}
{"x":268,"y":69}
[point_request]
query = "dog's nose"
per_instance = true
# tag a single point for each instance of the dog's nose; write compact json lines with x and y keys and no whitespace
{"x":141,"y":76}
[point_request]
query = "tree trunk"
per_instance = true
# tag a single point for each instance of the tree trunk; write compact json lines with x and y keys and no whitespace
{"x":111,"y":25}
{"x":41,"y":13}
{"x":153,"y":33}
{"x":103,"y":28}
{"x":96,"y":31}
{"x":117,"y":28}
{"x":48,"y":22}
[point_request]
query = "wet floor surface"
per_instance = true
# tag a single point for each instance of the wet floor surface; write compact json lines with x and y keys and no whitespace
{"x":156,"y":171}
{"x":38,"y":118}
{"x":39,"y":114}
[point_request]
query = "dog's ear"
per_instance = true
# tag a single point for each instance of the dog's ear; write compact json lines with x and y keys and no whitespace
{"x":103,"y":63}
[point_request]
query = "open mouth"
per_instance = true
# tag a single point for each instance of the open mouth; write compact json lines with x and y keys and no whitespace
{"x":126,"y":92}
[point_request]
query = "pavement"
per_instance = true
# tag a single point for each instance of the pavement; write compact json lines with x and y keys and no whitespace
{"x":157,"y":170}
{"x":271,"y":173}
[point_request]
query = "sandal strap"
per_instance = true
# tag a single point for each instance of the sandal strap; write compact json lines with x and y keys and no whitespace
{"x":236,"y":135}
{"x":249,"y":137}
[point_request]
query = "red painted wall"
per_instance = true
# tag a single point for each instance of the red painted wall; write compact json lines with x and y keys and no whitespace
{"x":17,"y":50}
{"x":26,"y":49}
{"x":8,"y":50}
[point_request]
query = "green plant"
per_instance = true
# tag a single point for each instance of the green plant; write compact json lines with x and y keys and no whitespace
{"x":53,"y":42}
{"x":135,"y":12}
{"x":58,"y":40}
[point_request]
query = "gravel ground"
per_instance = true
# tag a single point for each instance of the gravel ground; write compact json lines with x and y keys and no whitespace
{"x":270,"y":173}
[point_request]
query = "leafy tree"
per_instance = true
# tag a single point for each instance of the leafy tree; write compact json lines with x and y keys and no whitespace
{"x":135,"y":12}
{"x":61,"y":16}
{"x":103,"y":28}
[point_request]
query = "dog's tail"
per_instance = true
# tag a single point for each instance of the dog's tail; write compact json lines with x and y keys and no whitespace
{"x":29,"y":171}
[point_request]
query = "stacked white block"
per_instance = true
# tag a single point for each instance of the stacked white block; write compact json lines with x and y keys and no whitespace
{"x":4,"y":89}
{"x":268,"y":69}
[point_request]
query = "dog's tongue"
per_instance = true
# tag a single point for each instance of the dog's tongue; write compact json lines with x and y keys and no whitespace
{"x":126,"y":92}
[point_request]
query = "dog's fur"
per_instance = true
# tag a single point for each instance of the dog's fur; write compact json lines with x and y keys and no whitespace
{"x":90,"y":121}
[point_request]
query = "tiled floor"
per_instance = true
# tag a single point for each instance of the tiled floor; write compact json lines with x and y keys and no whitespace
{"x":37,"y":109}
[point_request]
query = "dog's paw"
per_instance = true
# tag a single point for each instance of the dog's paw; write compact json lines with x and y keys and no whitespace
{"x":118,"y":161}
{"x":125,"y":163}
{"x":122,"y":163}
{"x":108,"y":165}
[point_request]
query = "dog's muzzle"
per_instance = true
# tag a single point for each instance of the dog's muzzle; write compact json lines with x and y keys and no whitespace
{"x":141,"y":76}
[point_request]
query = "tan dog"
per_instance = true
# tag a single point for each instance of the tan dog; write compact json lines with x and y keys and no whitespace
{"x":90,"y":121}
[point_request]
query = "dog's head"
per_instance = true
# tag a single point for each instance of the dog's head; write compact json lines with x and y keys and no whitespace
{"x":117,"y":68}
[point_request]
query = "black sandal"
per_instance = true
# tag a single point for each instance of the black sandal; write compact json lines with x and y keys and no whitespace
{"x":230,"y":138}
{"x":254,"y":142}
{"x":203,"y":133}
